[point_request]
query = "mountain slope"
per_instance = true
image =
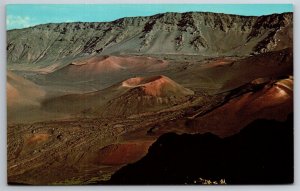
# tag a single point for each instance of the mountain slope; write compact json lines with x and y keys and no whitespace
{"x":131,"y":96}
{"x":21,"y":92}
{"x":209,"y":34}
{"x":147,"y":94}
{"x":23,"y":97}
{"x":104,"y":67}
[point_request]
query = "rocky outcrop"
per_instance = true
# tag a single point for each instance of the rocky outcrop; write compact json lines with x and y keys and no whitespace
{"x":209,"y":34}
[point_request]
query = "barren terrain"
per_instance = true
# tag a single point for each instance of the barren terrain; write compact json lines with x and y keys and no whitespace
{"x":84,"y":100}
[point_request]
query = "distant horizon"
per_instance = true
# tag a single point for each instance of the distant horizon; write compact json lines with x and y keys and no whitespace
{"x":138,"y":16}
{"x":28,"y":15}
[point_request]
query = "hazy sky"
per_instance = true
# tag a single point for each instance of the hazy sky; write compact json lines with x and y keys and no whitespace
{"x":20,"y":16}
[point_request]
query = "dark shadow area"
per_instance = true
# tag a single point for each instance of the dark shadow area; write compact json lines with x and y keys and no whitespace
{"x":262,"y":153}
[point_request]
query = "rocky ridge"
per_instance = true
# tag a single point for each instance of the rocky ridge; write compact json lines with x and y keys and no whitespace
{"x":208,"y":34}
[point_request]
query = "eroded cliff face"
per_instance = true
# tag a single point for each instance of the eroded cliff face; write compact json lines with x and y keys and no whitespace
{"x":207,"y":34}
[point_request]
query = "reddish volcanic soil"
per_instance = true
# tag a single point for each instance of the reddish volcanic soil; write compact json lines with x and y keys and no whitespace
{"x":157,"y":86}
{"x":37,"y":138}
{"x":111,"y":64}
{"x":146,"y":94}
{"x":23,"y":99}
{"x":96,"y":147}
{"x":131,"y":96}
{"x":272,"y":102}
{"x":21,"y":92}
{"x":85,"y":99}
{"x":94,"y":134}
{"x":122,"y":153}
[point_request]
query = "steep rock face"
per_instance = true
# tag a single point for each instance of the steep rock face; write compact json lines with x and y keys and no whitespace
{"x":208,"y":34}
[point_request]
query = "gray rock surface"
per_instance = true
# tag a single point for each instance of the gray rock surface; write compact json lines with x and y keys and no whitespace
{"x":207,"y":34}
